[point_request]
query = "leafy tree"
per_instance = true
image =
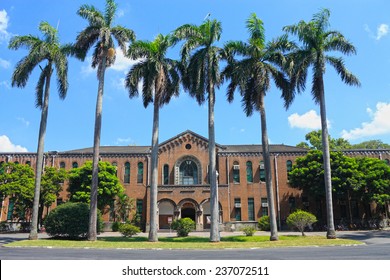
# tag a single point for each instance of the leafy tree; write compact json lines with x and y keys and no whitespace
{"x":46,"y":49}
{"x":51,"y":186}
{"x":80,"y":180}
{"x":301,"y":220}
{"x":161,"y":81}
{"x":202,"y":76}
{"x":17,"y":181}
{"x":372,"y":144}
{"x":100,"y":33}
{"x":252,"y":75}
{"x":123,"y":207}
{"x":317,"y":40}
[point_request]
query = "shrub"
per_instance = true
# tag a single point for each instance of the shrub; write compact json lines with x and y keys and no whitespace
{"x":301,"y":219}
{"x":183,"y":226}
{"x":249,"y":230}
{"x":264,"y":223}
{"x":115,"y":226}
{"x":70,"y":221}
{"x":128,"y":230}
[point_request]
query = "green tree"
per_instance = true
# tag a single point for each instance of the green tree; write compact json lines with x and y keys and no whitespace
{"x":46,"y":49}
{"x":202,"y":58}
{"x":161,"y":80}
{"x":124,"y":207}
{"x":317,"y":40}
{"x":17,"y":183}
{"x":260,"y":64}
{"x":371,"y":144}
{"x":80,"y":184}
{"x":301,"y":220}
{"x":315,"y":140}
{"x":100,"y":33}
{"x":51,"y":186}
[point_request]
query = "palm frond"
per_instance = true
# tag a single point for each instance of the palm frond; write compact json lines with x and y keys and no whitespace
{"x":39,"y":89}
{"x":123,"y":36}
{"x":337,"y":42}
{"x":27,"y":41}
{"x":61,"y":64}
{"x":256,"y":30}
{"x":346,"y":76}
{"x":90,"y":13}
{"x":50,"y":33}
{"x":109,"y":14}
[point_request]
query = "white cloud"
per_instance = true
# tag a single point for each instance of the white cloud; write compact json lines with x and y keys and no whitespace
{"x":125,"y":141}
{"x":378,"y":125}
{"x":309,"y":120}
{"x":5,"y":84}
{"x":382,"y":31}
{"x":4,"y":63}
{"x":24,"y":121}
{"x":7,"y":146}
{"x":4,"y":35}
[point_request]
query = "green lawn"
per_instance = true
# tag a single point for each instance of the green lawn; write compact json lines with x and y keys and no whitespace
{"x":193,"y":243}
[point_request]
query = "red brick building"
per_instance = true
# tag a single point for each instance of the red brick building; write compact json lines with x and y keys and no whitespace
{"x":183,"y":188}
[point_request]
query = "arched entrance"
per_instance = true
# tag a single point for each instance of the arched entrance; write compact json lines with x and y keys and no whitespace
{"x":166,"y":213}
{"x":188,"y":211}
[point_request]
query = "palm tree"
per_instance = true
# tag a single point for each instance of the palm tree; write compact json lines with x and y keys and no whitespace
{"x":202,"y":77}
{"x":99,"y":33}
{"x":47,"y":49}
{"x":252,"y":75}
{"x":160,"y":81}
{"x":317,"y":40}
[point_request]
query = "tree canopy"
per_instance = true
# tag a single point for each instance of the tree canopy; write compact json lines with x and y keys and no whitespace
{"x":80,"y":180}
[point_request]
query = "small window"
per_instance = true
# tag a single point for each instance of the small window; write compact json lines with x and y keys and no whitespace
{"x":288,"y":168}
{"x":236,"y":172}
{"x":62,"y":164}
{"x":237,"y":209}
{"x":140,"y":205}
{"x":251,"y":209}
{"x":262,"y":171}
{"x":166,"y":174}
{"x":75,"y":165}
{"x":140,"y":173}
{"x":28,"y":163}
{"x":249,"y":172}
{"x":126,"y":178}
{"x":264,"y":206}
{"x":116,"y":168}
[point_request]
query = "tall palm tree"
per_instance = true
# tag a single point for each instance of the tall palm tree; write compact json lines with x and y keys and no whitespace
{"x":317,"y":40}
{"x":46,"y":50}
{"x":99,"y":33}
{"x":160,"y":81}
{"x":261,"y":62}
{"x":201,"y":78}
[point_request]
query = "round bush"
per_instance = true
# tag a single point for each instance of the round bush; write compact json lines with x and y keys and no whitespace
{"x":70,"y":221}
{"x":249,"y":230}
{"x":128,"y":230}
{"x":301,"y":219}
{"x":183,"y":226}
{"x":264,"y":223}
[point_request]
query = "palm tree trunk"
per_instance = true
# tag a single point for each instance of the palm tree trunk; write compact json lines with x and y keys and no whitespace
{"x":331,"y":233}
{"x":92,"y":230}
{"x":268,"y":173}
{"x":154,"y":173}
{"x":214,"y":207}
{"x":39,"y":164}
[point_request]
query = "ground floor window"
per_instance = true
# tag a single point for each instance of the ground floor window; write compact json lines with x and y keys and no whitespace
{"x":251,"y":209}
{"x":237,"y":207}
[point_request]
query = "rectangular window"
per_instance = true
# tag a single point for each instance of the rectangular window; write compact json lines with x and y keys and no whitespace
{"x":140,"y":174}
{"x":126,"y":178}
{"x":11,"y":205}
{"x":262,"y":171}
{"x":140,"y":205}
{"x":166,"y":174}
{"x":237,"y":207}
{"x":264,"y":206}
{"x":251,"y":209}
{"x":236,"y":172}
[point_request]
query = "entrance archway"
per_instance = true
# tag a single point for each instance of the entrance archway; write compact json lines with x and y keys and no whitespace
{"x":166,"y":213}
{"x":188,"y":211}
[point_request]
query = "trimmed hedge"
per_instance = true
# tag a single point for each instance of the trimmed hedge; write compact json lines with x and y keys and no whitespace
{"x":183,"y":226}
{"x":70,"y":221}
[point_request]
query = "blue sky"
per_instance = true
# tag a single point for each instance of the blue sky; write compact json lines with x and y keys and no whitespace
{"x":357,"y":114}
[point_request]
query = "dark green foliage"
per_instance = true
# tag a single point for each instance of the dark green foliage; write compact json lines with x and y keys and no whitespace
{"x":128,"y":230}
{"x":301,"y":219}
{"x":264,"y":223}
{"x":249,"y":230}
{"x":80,"y":180}
{"x":183,"y":226}
{"x":115,"y":226}
{"x":70,"y":221}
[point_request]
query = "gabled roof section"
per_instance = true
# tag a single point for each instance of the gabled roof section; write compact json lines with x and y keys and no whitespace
{"x":186,"y":136}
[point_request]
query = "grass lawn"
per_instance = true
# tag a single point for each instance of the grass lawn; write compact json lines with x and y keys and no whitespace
{"x":193,"y":243}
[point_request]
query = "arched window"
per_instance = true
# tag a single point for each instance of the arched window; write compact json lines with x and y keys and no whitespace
{"x":236,"y":172}
{"x":288,"y":168}
{"x":140,"y":173}
{"x":188,"y":172}
{"x":62,"y":164}
{"x":166,"y":174}
{"x":116,"y":167}
{"x":262,"y":171}
{"x":249,"y":172}
{"x":28,"y":163}
{"x":126,"y":178}
{"x":75,"y":165}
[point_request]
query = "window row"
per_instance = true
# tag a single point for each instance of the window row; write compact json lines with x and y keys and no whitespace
{"x":251,"y":208}
{"x":249,"y":171}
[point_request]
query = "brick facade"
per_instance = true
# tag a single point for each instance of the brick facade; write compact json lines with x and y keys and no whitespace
{"x":183,"y":189}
